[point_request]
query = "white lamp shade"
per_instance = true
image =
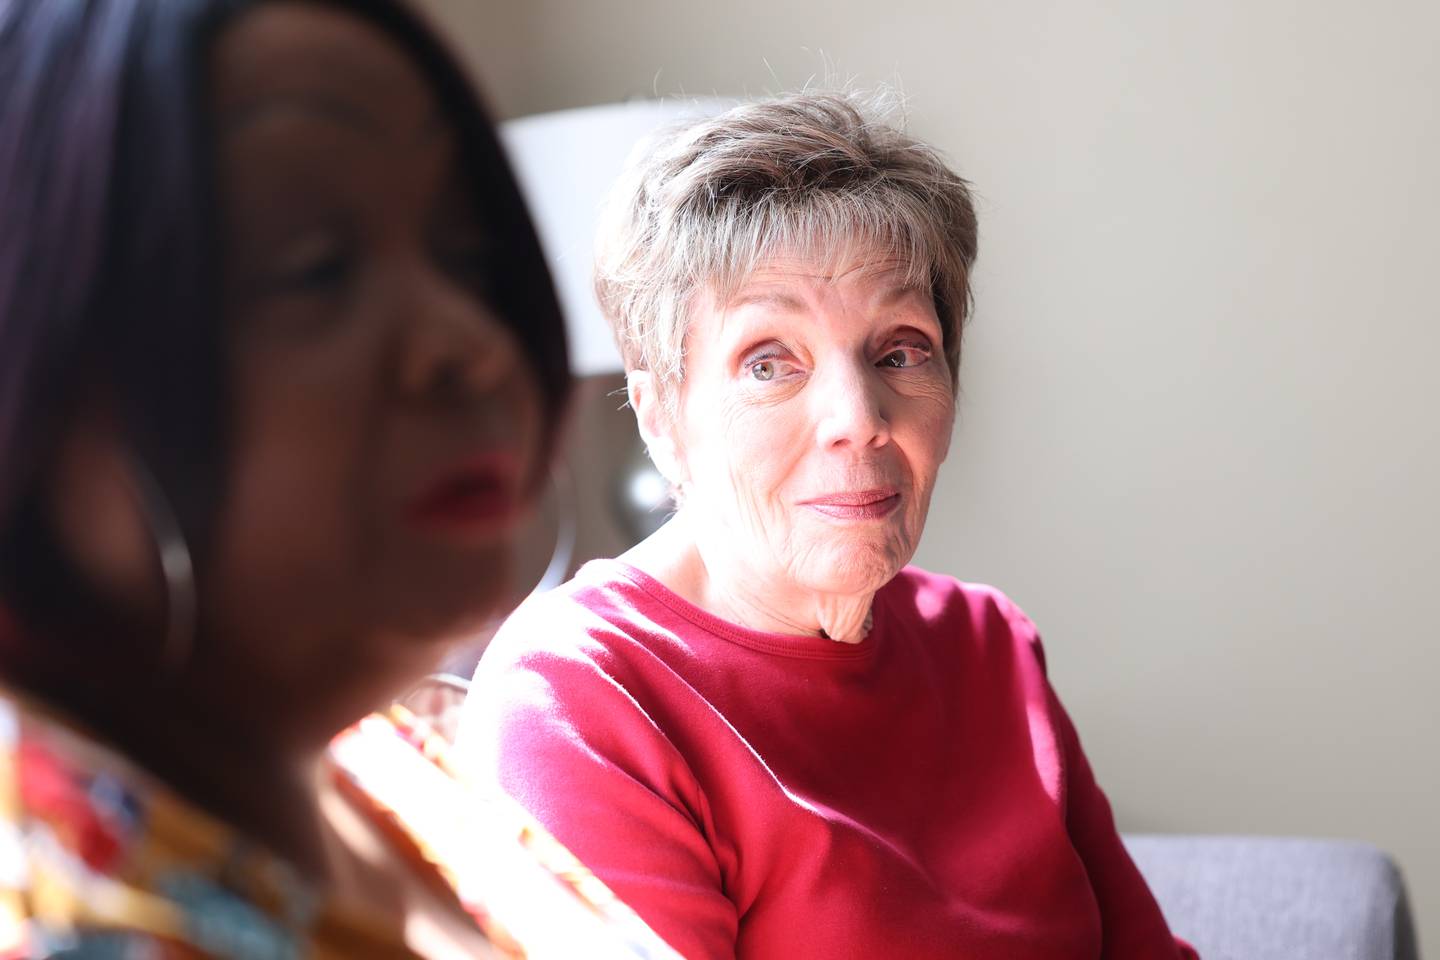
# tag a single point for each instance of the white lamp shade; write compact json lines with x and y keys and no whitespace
{"x":566,"y":161}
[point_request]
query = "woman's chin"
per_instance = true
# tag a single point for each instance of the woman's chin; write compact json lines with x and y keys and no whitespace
{"x":852,"y":568}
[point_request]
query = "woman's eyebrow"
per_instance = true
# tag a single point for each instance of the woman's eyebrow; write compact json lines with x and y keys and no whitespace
{"x":900,"y":291}
{"x":334,"y":109}
{"x":327,"y":108}
{"x":776,"y":299}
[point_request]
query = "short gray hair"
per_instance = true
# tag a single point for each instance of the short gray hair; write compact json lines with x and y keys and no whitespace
{"x":811,"y":174}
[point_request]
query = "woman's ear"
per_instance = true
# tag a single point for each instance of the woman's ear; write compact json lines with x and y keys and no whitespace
{"x":657,"y":428}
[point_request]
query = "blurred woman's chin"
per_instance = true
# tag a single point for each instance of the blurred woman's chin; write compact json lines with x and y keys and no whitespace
{"x":449,"y":627}
{"x":454,"y":602}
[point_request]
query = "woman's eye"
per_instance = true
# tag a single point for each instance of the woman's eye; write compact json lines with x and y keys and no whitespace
{"x":318,"y":269}
{"x":469,"y":257}
{"x":765,"y":368}
{"x":467,"y":260}
{"x":320,"y":274}
{"x":905,"y":355}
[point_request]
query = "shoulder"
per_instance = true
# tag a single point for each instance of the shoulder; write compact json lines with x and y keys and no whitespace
{"x":583,"y":617}
{"x":584,"y":655}
{"x":933,"y":595}
{"x":572,"y":697}
{"x":936,"y":601}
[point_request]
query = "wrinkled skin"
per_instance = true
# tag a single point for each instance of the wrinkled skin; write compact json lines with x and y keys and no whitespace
{"x":809,"y":382}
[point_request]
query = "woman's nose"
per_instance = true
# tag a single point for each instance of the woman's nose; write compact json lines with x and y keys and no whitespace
{"x":452,"y":346}
{"x":850,"y":410}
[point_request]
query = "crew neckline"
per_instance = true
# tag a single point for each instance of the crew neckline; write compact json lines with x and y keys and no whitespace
{"x":801,"y":646}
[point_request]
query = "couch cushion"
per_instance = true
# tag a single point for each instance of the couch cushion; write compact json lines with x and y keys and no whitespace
{"x":1269,"y":898}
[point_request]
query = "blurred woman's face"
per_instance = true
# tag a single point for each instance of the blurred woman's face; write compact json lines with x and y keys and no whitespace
{"x":386,"y":425}
{"x":816,"y":409}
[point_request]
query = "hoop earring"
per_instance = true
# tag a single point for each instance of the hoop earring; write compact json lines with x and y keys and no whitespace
{"x":562,"y":486}
{"x":175,"y":564}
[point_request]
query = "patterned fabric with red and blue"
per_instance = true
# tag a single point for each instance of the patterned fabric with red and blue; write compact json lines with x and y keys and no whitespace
{"x":100,"y":860}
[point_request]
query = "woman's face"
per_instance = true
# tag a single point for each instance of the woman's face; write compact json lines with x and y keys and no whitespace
{"x":386,"y":424}
{"x":816,"y":409}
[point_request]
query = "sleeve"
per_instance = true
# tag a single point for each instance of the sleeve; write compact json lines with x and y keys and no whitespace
{"x":562,"y":736}
{"x":1131,"y":921}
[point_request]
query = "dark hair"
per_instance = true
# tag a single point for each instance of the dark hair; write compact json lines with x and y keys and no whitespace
{"x":110,"y":246}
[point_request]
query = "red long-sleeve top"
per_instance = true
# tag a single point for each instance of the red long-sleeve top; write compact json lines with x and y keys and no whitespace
{"x":921,"y":794}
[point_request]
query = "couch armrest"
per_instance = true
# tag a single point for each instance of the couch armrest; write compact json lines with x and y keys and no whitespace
{"x":1274,"y":898}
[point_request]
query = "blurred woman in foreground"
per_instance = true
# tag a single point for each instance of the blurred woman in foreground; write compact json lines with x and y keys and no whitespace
{"x":280,"y":368}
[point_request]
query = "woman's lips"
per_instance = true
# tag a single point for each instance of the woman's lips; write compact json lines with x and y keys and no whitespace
{"x":856,"y":505}
{"x":479,"y":494}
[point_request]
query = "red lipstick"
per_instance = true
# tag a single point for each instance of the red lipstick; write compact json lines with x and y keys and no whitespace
{"x":476,"y":495}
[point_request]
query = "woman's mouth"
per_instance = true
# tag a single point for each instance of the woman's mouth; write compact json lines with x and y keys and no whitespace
{"x":856,"y":505}
{"x":478,"y":495}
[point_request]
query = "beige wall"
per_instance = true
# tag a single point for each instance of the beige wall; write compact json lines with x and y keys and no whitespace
{"x":1199,"y":441}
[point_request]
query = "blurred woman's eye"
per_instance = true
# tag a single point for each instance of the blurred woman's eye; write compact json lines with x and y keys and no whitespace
{"x":471,"y":261}
{"x":905,"y":353}
{"x":312,"y":267}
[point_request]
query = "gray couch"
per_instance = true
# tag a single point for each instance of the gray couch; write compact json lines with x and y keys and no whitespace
{"x":1267,"y":898}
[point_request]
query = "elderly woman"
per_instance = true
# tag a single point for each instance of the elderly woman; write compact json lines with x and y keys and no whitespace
{"x":759,"y":726}
{"x":281,"y":366}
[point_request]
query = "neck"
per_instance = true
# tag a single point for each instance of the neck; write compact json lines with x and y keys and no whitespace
{"x":718,"y":581}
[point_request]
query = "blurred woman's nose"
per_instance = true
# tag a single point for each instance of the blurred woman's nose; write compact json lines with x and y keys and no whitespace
{"x":452,"y":346}
{"x":849,"y":408}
